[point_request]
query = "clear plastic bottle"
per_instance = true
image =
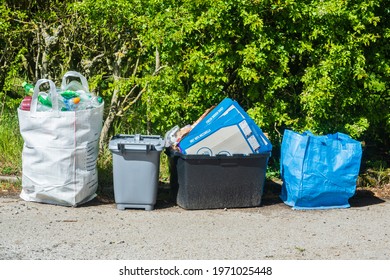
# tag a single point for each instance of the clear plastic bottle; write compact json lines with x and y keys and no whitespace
{"x":96,"y":101}
{"x":71,"y":104}
{"x":89,"y":101}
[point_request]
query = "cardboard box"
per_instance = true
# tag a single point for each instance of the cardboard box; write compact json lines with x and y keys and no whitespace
{"x":228,"y":130}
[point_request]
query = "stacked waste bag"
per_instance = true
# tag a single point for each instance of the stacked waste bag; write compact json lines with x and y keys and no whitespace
{"x":61,"y":129}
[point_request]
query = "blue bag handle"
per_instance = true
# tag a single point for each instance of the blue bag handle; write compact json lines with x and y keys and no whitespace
{"x":342,"y":138}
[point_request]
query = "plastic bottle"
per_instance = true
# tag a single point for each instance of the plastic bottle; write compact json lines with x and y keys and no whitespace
{"x":89,"y":101}
{"x":84,"y":96}
{"x":68,"y":94}
{"x":71,"y":104}
{"x":45,"y":100}
{"x":29,"y":88}
{"x":26,"y":103}
{"x":96,"y":101}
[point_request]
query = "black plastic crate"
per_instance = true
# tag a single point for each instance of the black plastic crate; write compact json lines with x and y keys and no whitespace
{"x":206,"y":182}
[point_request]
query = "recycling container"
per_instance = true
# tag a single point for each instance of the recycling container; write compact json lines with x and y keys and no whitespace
{"x":222,"y":181}
{"x":136,"y":166}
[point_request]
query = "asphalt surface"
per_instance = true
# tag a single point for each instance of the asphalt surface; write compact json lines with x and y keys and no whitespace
{"x":99,"y":231}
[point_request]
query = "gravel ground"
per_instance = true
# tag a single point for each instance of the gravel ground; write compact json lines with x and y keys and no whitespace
{"x":273,"y":231}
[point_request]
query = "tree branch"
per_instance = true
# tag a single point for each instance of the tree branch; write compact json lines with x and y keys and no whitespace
{"x":277,"y":131}
{"x":157,"y":60}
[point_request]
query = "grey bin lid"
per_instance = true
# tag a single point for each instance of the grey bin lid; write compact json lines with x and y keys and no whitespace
{"x":136,"y":142}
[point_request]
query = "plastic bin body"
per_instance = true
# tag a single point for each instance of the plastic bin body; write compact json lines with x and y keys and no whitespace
{"x":136,"y":171}
{"x":207,"y":182}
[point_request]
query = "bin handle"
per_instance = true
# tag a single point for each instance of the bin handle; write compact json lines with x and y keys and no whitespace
{"x":136,"y":147}
{"x":229,"y":164}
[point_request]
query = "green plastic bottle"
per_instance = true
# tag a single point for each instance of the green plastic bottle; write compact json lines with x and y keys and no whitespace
{"x":45,"y":101}
{"x":29,"y":88}
{"x":69,"y":94}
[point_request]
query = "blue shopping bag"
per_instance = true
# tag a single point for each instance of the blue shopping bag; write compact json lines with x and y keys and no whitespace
{"x":319,"y":172}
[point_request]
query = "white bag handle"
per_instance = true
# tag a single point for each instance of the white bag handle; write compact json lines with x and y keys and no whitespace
{"x":75,"y":74}
{"x":53,"y":95}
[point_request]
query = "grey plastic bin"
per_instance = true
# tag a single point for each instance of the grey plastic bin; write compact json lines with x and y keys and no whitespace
{"x":136,"y":166}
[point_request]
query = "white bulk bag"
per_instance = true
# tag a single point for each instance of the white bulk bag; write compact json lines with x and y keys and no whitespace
{"x":60,"y":152}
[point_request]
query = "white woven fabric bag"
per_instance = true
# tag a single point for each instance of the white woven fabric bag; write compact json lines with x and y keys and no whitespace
{"x":60,"y":152}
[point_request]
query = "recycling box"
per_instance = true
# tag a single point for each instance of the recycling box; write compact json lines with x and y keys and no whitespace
{"x":136,"y":166}
{"x":221,"y":181}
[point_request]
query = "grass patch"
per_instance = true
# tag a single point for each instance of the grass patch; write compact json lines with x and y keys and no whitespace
{"x":377,"y":174}
{"x":10,"y":187}
{"x":375,"y":178}
{"x":11,"y":144}
{"x":164,"y":169}
{"x":106,"y":182}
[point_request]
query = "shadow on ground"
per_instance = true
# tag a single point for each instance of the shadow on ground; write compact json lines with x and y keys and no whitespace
{"x":272,"y":190}
{"x":364,"y":198}
{"x":166,"y":199}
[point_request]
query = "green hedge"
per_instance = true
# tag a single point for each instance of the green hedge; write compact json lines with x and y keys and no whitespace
{"x":321,"y":65}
